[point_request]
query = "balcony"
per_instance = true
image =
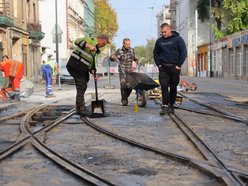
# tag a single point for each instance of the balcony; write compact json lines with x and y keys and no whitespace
{"x":34,"y":29}
{"x":6,"y":21}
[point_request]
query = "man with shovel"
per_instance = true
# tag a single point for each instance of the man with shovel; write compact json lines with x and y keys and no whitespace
{"x":81,"y":63}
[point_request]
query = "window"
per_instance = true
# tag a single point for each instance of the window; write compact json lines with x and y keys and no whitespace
{"x":231,"y":62}
{"x":245,"y":61}
{"x":239,"y":61}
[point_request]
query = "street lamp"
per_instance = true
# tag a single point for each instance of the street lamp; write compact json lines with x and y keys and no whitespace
{"x":210,"y":39}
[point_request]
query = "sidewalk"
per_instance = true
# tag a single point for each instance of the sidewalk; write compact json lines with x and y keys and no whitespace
{"x":235,"y":89}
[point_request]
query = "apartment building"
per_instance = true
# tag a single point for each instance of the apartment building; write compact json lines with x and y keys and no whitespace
{"x":164,"y":16}
{"x":20,"y":34}
{"x":229,"y":55}
{"x":75,"y":18}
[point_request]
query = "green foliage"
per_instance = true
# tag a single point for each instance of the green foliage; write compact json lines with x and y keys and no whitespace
{"x":230,"y":15}
{"x":217,"y":33}
{"x":203,"y":9}
{"x":145,"y":53}
{"x":238,"y":15}
{"x":105,"y":18}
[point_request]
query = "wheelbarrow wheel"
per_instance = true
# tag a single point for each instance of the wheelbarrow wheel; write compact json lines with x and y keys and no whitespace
{"x":142,"y":98}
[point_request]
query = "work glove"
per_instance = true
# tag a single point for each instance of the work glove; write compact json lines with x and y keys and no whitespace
{"x":93,"y":71}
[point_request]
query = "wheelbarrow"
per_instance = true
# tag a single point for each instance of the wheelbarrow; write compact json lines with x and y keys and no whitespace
{"x":141,"y":83}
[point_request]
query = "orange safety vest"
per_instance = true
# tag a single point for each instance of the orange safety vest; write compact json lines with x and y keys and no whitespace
{"x":12,"y":68}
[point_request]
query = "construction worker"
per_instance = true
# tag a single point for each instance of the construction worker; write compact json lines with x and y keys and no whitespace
{"x":81,"y":62}
{"x":48,"y":69}
{"x":13,"y":72}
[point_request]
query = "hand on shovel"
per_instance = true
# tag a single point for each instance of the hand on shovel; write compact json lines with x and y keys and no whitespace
{"x":93,"y":72}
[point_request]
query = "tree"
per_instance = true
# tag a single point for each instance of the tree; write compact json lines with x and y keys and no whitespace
{"x":145,"y":53}
{"x":230,"y":15}
{"x":238,"y":16}
{"x":217,"y":11}
{"x":105,"y":18}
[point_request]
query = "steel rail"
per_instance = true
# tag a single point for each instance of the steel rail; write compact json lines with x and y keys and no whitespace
{"x":233,"y":179}
{"x":230,"y":178}
{"x":209,"y":113}
{"x":74,"y":168}
{"x":238,"y":118}
{"x":15,"y":115}
{"x":208,"y":167}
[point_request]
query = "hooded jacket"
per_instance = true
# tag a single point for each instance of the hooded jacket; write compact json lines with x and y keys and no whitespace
{"x":171,"y":50}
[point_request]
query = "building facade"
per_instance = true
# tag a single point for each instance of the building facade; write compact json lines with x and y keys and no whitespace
{"x":229,"y":55}
{"x":20,"y":34}
{"x":163,"y":16}
{"x":75,"y":19}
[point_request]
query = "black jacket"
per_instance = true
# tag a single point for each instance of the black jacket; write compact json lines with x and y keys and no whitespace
{"x":171,"y":50}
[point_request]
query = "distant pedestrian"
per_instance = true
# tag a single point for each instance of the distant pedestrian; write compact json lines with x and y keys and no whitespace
{"x":169,"y":54}
{"x":41,"y":72}
{"x":13,"y":72}
{"x":81,"y":63}
{"x":125,"y":56}
{"x":48,"y":70}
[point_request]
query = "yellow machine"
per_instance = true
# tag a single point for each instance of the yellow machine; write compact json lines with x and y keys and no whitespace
{"x":155,"y":93}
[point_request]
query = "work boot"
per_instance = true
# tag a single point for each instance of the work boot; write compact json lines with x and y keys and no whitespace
{"x":85,"y":113}
{"x":166,"y":110}
{"x":124,"y":102}
{"x":50,"y":95}
{"x":77,"y":112}
{"x":17,"y":97}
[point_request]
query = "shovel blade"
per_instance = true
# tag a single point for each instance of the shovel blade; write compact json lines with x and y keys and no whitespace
{"x":97,"y":107}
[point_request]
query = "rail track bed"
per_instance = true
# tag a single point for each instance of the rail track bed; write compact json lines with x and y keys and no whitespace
{"x":198,"y":145}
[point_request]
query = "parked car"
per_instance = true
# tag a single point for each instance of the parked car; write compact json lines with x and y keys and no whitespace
{"x":65,"y":77}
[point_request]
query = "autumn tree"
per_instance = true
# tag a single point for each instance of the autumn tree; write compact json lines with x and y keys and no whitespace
{"x":105,"y":18}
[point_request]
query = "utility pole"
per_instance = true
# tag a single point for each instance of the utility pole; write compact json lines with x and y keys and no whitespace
{"x":56,"y":40}
{"x":196,"y":43}
{"x":210,"y":39}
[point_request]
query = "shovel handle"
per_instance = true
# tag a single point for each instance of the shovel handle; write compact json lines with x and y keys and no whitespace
{"x":94,"y":74}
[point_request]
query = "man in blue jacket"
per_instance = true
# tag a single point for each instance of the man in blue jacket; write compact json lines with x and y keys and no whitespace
{"x":169,"y":54}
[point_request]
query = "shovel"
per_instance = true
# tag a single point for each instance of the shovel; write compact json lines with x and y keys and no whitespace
{"x":97,"y":106}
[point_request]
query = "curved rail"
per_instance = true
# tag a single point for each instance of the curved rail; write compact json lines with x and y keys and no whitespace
{"x":76,"y":169}
{"x":230,"y":178}
{"x":31,"y":137}
{"x":211,"y":168}
{"x":207,"y":105}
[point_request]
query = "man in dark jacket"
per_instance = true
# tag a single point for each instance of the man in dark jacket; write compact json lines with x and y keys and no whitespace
{"x":169,"y":54}
{"x":81,"y":62}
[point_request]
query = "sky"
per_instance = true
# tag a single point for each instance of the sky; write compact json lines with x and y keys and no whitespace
{"x":137,"y":20}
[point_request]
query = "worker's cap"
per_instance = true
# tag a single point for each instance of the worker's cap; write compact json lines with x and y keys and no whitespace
{"x":104,"y":36}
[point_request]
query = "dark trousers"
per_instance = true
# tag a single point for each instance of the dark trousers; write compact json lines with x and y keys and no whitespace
{"x":169,"y":78}
{"x":125,"y":88}
{"x":81,"y":78}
